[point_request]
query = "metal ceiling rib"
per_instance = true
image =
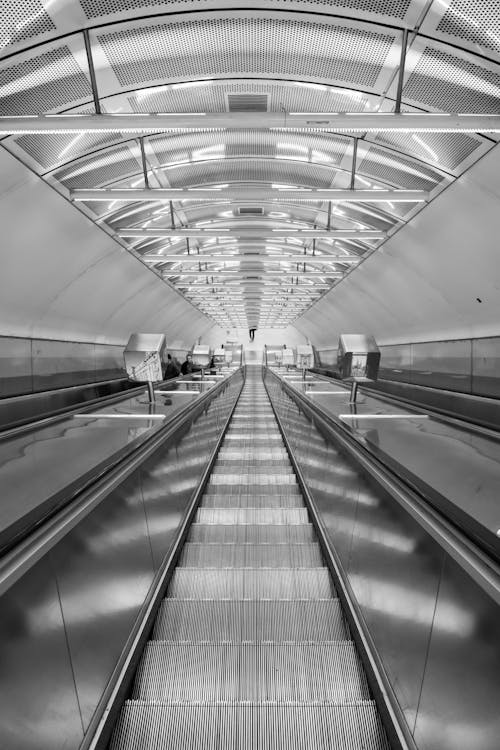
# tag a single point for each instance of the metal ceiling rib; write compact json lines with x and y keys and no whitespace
{"x":332,"y":56}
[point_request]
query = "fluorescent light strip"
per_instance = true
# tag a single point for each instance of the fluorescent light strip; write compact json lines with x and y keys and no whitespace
{"x":346,"y":122}
{"x":249,"y":193}
{"x":383,"y":416}
{"x":119,"y":416}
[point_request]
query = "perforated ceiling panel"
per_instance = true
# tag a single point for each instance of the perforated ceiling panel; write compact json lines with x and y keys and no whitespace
{"x":22,"y":19}
{"x":52,"y":150}
{"x":392,"y":8}
{"x":445,"y":150}
{"x":202,"y":146}
{"x":101,"y":169}
{"x":397,"y":171}
{"x":42,"y":83}
{"x":265,"y":46}
{"x":209,"y":96}
{"x":474,"y":22}
{"x":264,"y":171}
{"x":452,"y":84}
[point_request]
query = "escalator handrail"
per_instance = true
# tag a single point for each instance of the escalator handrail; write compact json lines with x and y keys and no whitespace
{"x":36,"y":543}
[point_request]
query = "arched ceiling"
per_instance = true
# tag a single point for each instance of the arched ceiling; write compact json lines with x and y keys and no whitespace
{"x":247,"y":256}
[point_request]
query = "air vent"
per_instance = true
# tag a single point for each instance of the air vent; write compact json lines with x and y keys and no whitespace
{"x":251,"y":211}
{"x":247,"y":102}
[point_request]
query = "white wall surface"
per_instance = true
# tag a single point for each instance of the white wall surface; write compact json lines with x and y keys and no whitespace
{"x":289,"y":336}
{"x":62,"y":277}
{"x":424,"y":282}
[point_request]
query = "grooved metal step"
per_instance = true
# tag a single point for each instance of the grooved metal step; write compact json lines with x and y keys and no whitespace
{"x":253,"y":477}
{"x":246,"y":454}
{"x":251,"y":555}
{"x":256,"y":489}
{"x":253,"y":501}
{"x":151,"y":726}
{"x":241,"y":437}
{"x":251,"y":534}
{"x":182,"y":672}
{"x":252,"y":621}
{"x":306,"y":583}
{"x":253,"y":516}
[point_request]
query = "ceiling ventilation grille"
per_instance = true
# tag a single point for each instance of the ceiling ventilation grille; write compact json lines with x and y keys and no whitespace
{"x":247,"y":102}
{"x":250,"y":211}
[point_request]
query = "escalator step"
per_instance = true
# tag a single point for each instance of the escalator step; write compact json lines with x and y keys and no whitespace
{"x":240,"y":436}
{"x":253,"y":477}
{"x":157,"y":726}
{"x":264,"y":454}
{"x":237,"y":621}
{"x":251,"y":534}
{"x":180,"y":672}
{"x":252,"y":516}
{"x":263,"y":583}
{"x":257,"y":489}
{"x":253,"y":501}
{"x":196,"y":555}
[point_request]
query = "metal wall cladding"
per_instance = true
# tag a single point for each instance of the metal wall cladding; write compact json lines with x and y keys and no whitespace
{"x":64,"y":624}
{"x":34,"y":365}
{"x":435,"y":629}
{"x":15,"y":366}
{"x":464,"y":365}
{"x":486,"y":367}
{"x":55,"y":362}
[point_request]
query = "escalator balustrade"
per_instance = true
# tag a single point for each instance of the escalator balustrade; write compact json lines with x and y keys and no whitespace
{"x":250,"y":648}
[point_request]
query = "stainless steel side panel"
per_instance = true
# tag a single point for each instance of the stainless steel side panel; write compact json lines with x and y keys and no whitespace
{"x":434,"y":628}
{"x":38,"y":702}
{"x":460,"y":701}
{"x":104,"y":569}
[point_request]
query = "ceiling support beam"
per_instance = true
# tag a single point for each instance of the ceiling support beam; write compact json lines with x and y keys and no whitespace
{"x":254,"y":258}
{"x":242,"y":274}
{"x":261,"y":283}
{"x":252,"y":233}
{"x":401,"y":71}
{"x":249,"y":193}
{"x":92,"y":75}
{"x":344,"y":122}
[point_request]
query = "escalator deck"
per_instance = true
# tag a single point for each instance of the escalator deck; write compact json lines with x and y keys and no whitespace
{"x":250,"y":648}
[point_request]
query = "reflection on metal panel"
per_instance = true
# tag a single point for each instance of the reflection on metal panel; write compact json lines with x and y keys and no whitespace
{"x":435,"y":630}
{"x":461,"y":689}
{"x":104,"y":570}
{"x":39,"y":708}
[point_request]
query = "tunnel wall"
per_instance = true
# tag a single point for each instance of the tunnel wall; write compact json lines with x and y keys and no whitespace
{"x":63,"y":278}
{"x":425,"y":282}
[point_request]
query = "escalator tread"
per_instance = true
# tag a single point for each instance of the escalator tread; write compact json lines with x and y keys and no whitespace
{"x":250,"y":648}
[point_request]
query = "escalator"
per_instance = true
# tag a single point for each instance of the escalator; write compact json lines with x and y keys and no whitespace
{"x":250,"y":648}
